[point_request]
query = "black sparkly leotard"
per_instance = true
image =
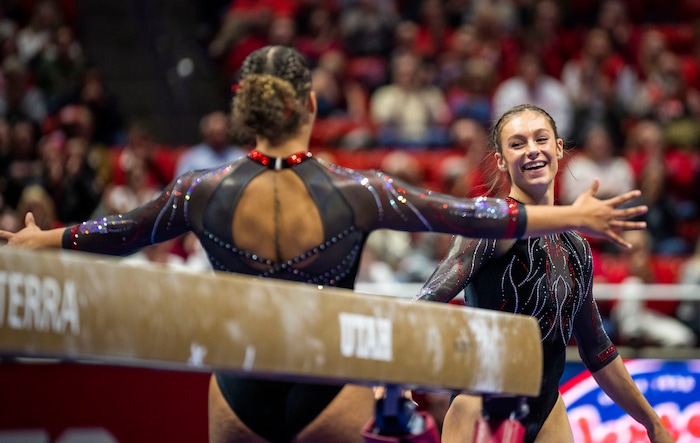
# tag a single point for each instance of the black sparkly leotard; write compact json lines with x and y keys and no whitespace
{"x":549,"y":278}
{"x":352,"y":204}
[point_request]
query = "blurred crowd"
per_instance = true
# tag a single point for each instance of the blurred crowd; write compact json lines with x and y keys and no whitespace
{"x":409,"y":87}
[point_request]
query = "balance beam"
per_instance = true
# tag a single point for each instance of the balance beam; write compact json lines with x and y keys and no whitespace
{"x":92,"y":308}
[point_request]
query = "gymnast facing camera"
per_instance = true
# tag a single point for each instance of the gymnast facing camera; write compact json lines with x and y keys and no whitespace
{"x":281,"y":213}
{"x":547,"y":277}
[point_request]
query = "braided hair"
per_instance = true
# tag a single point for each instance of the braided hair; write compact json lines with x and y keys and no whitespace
{"x":270,"y":101}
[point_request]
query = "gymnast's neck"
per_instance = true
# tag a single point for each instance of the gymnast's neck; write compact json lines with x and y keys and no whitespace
{"x":294,"y":144}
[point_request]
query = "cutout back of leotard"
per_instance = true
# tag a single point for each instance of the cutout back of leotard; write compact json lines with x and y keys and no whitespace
{"x":317,"y":240}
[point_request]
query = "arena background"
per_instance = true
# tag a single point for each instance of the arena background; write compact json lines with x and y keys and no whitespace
{"x":143,"y":73}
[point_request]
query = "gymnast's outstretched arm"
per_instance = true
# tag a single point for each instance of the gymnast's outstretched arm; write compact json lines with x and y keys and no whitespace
{"x":161,"y":219}
{"x":489,"y":218}
{"x":402,"y":206}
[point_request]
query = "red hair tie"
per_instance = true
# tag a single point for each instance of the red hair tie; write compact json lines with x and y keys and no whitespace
{"x":235,"y":87}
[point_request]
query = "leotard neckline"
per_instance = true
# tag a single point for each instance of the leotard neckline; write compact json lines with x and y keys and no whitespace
{"x":278,"y":163}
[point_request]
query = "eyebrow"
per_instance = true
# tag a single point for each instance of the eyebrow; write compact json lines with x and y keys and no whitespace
{"x":537,"y":132}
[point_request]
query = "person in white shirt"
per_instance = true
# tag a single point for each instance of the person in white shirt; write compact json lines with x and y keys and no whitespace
{"x":214,"y":149}
{"x":531,"y":85}
{"x":596,"y":159}
{"x":408,"y":111}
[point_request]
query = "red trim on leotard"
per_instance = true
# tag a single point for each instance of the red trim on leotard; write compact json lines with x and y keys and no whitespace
{"x":268,"y":161}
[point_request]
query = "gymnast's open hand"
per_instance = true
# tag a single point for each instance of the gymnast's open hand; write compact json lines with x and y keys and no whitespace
{"x":603,"y":219}
{"x":31,"y":236}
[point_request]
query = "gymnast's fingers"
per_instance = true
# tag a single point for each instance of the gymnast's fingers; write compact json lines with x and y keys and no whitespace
{"x":615,"y":238}
{"x":624,"y":198}
{"x":621,"y":225}
{"x":621,"y":214}
{"x":29,"y":220}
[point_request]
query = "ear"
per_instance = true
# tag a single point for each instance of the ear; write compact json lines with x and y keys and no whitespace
{"x":500,"y":162}
{"x":560,"y":148}
{"x":312,"y":104}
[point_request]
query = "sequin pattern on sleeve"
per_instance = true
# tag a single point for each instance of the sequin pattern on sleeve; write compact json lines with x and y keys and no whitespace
{"x":400,"y":204}
{"x":163,"y":218}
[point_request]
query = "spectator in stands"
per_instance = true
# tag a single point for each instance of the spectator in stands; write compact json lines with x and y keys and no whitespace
{"x":8,"y":220}
{"x":386,"y":248}
{"x":23,"y":167}
{"x":21,"y":99}
{"x":367,"y":27}
{"x":481,"y":41}
{"x":468,"y":95}
{"x":548,"y":38}
{"x":318,"y":32}
{"x":158,"y":254}
{"x":214,"y":149}
{"x":8,"y":26}
{"x":646,"y":149}
{"x":142,"y":151}
{"x":135,"y":191}
{"x":689,"y":310}
{"x":36,"y":200}
{"x":196,"y":258}
{"x":652,"y":43}
{"x":263,"y":23}
{"x":36,"y":35}
{"x":664,"y":94}
{"x":614,"y":18}
{"x":82,"y":185}
{"x":503,"y":12}
{"x":466,"y":174}
{"x":106,"y":115}
{"x":596,"y":159}
{"x":405,"y":37}
{"x":426,"y":251}
{"x":682,"y":163}
{"x":691,"y":59}
{"x":282,"y":31}
{"x":8,"y":47}
{"x":532,"y":85}
{"x":496,"y":40}
{"x":60,"y":67}
{"x":5,"y":150}
{"x":367,"y":30}
{"x":343,"y":105}
{"x":636,"y":320}
{"x":409,"y":112}
{"x":375,"y":269}
{"x":76,"y":122}
{"x":601,"y":86}
{"x":329,"y":92}
{"x":245,"y":19}
{"x":50,"y":150}
{"x":460,"y":49}
{"x":433,"y":31}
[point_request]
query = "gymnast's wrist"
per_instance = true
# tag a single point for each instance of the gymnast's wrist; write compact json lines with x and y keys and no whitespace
{"x":574,"y":218}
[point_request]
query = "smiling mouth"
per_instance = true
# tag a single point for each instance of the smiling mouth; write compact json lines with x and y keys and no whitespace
{"x":534,"y":165}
